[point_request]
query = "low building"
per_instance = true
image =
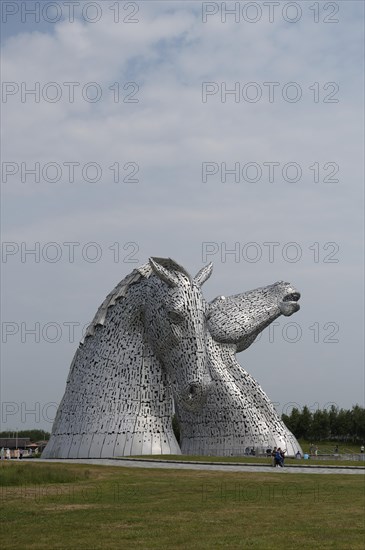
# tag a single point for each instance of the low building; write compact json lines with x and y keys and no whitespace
{"x":13,"y":443}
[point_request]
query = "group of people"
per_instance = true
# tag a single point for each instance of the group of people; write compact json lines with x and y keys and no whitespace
{"x":6,"y":454}
{"x":278,"y":456}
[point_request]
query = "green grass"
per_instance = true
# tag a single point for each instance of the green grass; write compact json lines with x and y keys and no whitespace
{"x":15,"y":474}
{"x":126,"y":508}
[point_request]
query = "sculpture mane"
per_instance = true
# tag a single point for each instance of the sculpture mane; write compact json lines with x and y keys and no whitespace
{"x":119,"y":291}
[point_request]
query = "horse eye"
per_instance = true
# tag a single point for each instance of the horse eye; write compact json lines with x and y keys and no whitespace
{"x":176,"y":317}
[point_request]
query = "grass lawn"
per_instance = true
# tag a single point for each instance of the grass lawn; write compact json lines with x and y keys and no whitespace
{"x":67,"y":506}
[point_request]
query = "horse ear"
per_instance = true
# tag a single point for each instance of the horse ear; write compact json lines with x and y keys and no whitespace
{"x":203,"y":274}
{"x":163,"y":273}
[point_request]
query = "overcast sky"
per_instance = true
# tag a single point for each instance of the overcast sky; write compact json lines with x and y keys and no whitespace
{"x":135,"y":136}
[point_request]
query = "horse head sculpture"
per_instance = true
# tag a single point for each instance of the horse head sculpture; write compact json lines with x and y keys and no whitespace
{"x":174,"y":317}
{"x":155,"y":342}
{"x":239,"y":319}
{"x":238,"y":414}
{"x":144,"y":350}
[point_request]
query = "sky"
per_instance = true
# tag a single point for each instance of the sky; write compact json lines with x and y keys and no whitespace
{"x":183,"y":130}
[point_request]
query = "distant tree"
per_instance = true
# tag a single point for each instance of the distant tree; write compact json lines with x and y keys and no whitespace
{"x":340,"y":424}
{"x":358,"y":422}
{"x":344,"y":424}
{"x":34,"y":435}
{"x":305,"y":423}
{"x":333,"y":420}
{"x":320,"y":426}
{"x":292,"y":421}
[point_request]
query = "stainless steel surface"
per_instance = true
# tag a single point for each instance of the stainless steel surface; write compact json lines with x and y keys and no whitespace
{"x":155,"y":346}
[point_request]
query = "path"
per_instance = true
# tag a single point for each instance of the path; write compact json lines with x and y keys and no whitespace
{"x":220,"y":467}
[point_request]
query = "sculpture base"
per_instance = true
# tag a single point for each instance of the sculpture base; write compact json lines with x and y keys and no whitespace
{"x":110,"y":445}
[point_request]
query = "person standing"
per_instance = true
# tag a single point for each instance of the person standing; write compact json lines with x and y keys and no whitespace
{"x":279,"y":458}
{"x":282,"y":454}
{"x":273,"y":456}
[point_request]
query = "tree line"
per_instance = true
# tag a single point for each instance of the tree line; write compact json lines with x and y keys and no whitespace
{"x":34,"y":435}
{"x":333,"y":424}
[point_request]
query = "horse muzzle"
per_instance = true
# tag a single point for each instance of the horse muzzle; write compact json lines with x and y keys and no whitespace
{"x":289,"y":304}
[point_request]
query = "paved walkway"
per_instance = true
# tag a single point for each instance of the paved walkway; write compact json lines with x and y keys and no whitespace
{"x":220,"y":467}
